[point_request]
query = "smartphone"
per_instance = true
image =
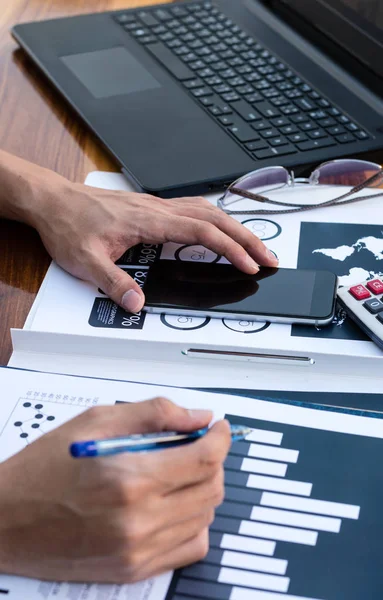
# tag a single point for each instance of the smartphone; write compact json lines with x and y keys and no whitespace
{"x":222,"y":291}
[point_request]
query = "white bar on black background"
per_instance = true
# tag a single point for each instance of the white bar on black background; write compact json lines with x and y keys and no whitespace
{"x":278,"y":532}
{"x":256,"y":580}
{"x":321,"y":507}
{"x":254,"y":563}
{"x":265,"y":437}
{"x":282,"y":454}
{"x":247,"y":544}
{"x":266,"y":467}
{"x":287,"y":517}
{"x":287,"y":486}
{"x":238,"y":593}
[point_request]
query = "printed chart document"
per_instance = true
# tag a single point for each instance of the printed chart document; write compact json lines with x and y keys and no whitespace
{"x":347,"y":240}
{"x":302,"y":516}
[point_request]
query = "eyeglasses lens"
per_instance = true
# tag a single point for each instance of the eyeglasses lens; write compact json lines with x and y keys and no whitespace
{"x":258,"y":182}
{"x":350,"y":173}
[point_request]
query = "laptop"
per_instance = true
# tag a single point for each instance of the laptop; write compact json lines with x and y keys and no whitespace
{"x":188,"y":96}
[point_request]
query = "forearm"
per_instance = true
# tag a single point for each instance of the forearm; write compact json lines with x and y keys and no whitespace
{"x":24,"y":188}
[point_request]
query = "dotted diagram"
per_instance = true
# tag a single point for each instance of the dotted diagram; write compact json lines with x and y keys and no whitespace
{"x":34,"y":419}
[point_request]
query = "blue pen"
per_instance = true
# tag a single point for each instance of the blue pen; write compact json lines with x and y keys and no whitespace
{"x":148,"y":442}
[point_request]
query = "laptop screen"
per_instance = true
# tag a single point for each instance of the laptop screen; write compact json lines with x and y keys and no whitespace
{"x":354,"y":25}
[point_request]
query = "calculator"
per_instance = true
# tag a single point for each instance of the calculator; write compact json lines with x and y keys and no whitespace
{"x":364,"y":304}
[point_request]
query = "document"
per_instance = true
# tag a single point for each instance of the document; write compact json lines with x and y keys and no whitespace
{"x":301,"y":518}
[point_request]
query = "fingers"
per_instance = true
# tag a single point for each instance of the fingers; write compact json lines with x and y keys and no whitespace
{"x":232,"y":228}
{"x":179,"y":555}
{"x":116,"y":284}
{"x":188,"y":230}
{"x":154,"y":415}
{"x":177,"y":468}
{"x":187,"y":503}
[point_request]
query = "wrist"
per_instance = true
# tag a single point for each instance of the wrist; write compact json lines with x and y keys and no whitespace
{"x":25,"y":189}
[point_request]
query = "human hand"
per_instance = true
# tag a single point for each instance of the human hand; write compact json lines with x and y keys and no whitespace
{"x":87,"y":229}
{"x":116,"y":519}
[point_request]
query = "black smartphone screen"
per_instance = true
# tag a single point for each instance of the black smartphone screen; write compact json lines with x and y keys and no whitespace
{"x":224,"y":289}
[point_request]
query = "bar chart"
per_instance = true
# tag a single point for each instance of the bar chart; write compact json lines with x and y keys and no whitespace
{"x":301,"y":520}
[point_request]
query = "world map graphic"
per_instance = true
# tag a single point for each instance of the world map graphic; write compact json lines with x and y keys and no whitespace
{"x":354,"y":252}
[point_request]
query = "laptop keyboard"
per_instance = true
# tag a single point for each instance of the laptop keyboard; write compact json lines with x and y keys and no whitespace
{"x":260,"y":101}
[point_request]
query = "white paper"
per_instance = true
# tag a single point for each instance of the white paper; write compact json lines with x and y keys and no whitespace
{"x":65,"y":304}
{"x":64,"y":397}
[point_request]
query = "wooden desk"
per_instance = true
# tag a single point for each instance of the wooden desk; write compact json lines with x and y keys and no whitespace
{"x":37,"y":125}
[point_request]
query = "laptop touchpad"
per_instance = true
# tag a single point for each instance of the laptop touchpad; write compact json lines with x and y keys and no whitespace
{"x":110,"y":72}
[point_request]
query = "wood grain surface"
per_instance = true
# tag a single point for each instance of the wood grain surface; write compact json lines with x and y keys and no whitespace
{"x":36,"y":124}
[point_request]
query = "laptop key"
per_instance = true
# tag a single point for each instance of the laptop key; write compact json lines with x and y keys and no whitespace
{"x":279,"y":151}
{"x":257,"y":145}
{"x":336,"y":130}
{"x":317,"y":114}
{"x":125,"y":18}
{"x":317,"y":133}
{"x":281,"y":122}
{"x":147,"y":18}
{"x":314,"y":144}
{"x":278,"y":141}
{"x":132,"y":26}
{"x":289,"y":109}
{"x":289,"y":130}
{"x":203,"y":91}
{"x":298,"y":137}
{"x":362,"y":135}
{"x":254,"y":97}
{"x":147,"y":39}
{"x":242,"y":131}
{"x":328,"y":122}
{"x":260,"y":125}
{"x":179,"y":12}
{"x":267,"y":110}
{"x":226,"y":120}
{"x":173,"y":64}
{"x":218,"y":110}
{"x":230,"y":97}
{"x":246,"y":111}
{"x":193,"y":83}
{"x":197,"y":64}
{"x":308,"y":126}
{"x":299,"y":118}
{"x":208,"y":100}
{"x":163,"y":15}
{"x":345,"y":138}
{"x":269,"y":133}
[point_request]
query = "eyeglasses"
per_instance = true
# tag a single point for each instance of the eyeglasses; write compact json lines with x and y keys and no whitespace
{"x":357,"y":174}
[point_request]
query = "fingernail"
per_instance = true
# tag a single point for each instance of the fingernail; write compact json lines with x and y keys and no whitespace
{"x":252,"y":264}
{"x":132,"y":301}
{"x":199,"y":414}
{"x":271,"y":256}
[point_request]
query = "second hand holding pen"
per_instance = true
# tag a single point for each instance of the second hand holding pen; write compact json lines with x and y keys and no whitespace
{"x":149,"y":442}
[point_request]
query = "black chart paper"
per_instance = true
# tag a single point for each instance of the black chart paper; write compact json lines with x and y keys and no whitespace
{"x":345,"y":565}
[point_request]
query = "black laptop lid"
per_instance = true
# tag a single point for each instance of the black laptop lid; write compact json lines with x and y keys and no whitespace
{"x":350,"y":30}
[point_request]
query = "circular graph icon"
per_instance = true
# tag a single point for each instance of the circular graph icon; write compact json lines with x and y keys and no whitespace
{"x":182,"y":322}
{"x":196,"y":254}
{"x":246,"y":326}
{"x":264,"y":229}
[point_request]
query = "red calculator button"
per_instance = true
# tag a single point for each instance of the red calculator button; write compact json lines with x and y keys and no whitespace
{"x":359,"y":292}
{"x":375,"y":286}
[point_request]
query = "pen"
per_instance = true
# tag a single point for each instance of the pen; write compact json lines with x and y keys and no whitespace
{"x":148,"y":442}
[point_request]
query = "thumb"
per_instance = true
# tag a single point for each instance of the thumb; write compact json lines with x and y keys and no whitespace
{"x":118,"y":285}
